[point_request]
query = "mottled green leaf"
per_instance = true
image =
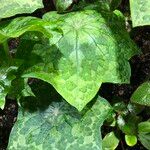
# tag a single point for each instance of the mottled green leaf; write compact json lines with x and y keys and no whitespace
{"x":93,"y":48}
{"x":142,"y":94}
{"x":131,"y":140}
{"x":10,"y":8}
{"x":140,"y":12}
{"x":16,"y":27}
{"x":110,"y":141}
{"x":60,"y":127}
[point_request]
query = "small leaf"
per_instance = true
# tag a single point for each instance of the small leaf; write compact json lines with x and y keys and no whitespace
{"x":62,"y":5}
{"x":144,"y":127}
{"x":10,"y":8}
{"x":140,"y":12}
{"x":131,"y":140}
{"x":144,"y":133}
{"x":60,"y":126}
{"x":142,"y":94}
{"x":110,"y":141}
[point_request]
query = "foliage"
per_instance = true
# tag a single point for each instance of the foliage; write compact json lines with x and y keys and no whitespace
{"x":140,"y":12}
{"x":74,"y":50}
{"x":142,"y":94}
{"x":10,"y":8}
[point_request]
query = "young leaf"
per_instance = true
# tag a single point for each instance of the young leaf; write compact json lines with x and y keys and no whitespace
{"x":131,"y":140}
{"x":10,"y":8}
{"x":140,"y":12}
{"x":60,"y":126}
{"x":18,"y":26}
{"x":110,"y":141}
{"x":142,"y":94}
{"x":90,"y":51}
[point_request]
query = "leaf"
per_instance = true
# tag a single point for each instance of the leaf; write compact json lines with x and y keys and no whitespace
{"x":144,"y":127}
{"x":10,"y":8}
{"x":142,"y":94}
{"x":62,"y":5}
{"x":18,"y":26}
{"x":60,"y":126}
{"x":110,"y":141}
{"x":131,"y":140}
{"x":140,"y":12}
{"x":144,"y":133}
{"x":90,"y":51}
{"x":145,"y":140}
{"x":6,"y":77}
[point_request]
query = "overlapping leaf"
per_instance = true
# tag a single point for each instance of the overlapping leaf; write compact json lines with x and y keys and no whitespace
{"x":61,"y":127}
{"x":93,"y":49}
{"x":140,"y":12}
{"x":10,"y":8}
{"x":16,"y":27}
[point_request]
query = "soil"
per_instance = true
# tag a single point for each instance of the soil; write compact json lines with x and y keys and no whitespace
{"x":140,"y":66}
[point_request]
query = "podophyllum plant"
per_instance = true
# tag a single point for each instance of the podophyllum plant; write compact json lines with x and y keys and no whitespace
{"x":75,"y":50}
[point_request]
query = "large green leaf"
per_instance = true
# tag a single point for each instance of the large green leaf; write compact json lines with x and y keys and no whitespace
{"x":140,"y":12}
{"x":60,"y":127}
{"x":142,"y":94}
{"x":16,"y":27}
{"x":91,"y":50}
{"x":12,"y":7}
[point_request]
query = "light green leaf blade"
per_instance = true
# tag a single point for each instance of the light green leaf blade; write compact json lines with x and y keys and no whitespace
{"x":110,"y":141}
{"x":140,"y":12}
{"x":90,"y":51}
{"x":16,"y":27}
{"x":10,"y":8}
{"x":131,"y":140}
{"x":60,"y":127}
{"x":142,"y":94}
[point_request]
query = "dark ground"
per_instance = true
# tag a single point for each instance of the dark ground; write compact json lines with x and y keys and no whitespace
{"x":140,"y":66}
